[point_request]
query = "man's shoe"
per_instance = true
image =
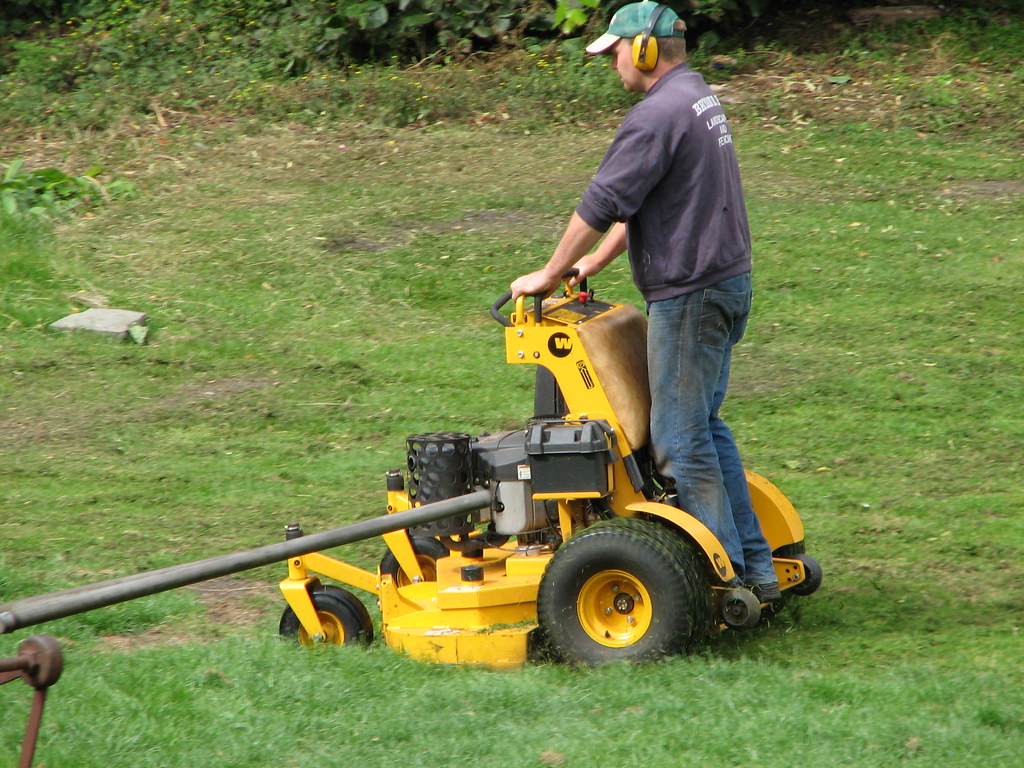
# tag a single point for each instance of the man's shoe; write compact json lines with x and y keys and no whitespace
{"x":767,"y":593}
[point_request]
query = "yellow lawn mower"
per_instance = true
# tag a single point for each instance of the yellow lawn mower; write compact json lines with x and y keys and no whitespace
{"x":551,"y":537}
{"x":562,"y":543}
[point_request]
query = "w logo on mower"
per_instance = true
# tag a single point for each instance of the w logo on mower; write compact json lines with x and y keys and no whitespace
{"x":560,"y":345}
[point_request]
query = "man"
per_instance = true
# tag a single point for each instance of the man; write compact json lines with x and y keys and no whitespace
{"x":669,"y":191}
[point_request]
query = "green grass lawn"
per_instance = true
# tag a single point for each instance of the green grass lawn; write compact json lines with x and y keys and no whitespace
{"x":315,"y":295}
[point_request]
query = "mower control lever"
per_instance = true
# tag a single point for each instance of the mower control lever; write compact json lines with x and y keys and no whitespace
{"x":538,"y":299}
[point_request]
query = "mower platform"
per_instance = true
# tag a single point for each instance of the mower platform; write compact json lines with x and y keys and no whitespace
{"x":480,"y":610}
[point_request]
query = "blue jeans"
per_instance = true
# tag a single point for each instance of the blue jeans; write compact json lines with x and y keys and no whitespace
{"x":689,"y":350}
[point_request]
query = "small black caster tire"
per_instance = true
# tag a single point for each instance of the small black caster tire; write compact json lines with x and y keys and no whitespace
{"x":344,"y":618}
{"x":740,"y":609}
{"x":814,"y":575}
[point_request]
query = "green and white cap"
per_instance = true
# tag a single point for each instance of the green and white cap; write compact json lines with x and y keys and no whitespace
{"x":632,"y":20}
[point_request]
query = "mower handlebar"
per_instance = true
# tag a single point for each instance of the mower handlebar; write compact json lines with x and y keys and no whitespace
{"x":538,"y":298}
{"x":496,"y":309}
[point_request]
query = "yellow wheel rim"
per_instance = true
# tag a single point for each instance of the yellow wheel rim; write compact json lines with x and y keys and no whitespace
{"x":334,"y":631}
{"x":614,"y":608}
{"x":428,"y":566}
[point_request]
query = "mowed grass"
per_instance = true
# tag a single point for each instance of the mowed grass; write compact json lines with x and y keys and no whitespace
{"x":315,"y":296}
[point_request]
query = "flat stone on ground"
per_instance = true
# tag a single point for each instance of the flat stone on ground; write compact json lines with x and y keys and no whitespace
{"x":107,"y":322}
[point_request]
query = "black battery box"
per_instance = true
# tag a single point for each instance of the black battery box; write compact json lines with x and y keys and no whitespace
{"x":569,"y":457}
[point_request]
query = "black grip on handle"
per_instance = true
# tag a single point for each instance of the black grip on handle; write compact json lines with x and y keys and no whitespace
{"x":572,"y":272}
{"x":496,"y":309}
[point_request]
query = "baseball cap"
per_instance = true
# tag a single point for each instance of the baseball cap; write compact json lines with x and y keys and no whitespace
{"x":632,"y":20}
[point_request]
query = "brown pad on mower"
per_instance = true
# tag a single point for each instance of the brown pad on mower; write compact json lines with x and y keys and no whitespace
{"x":616,"y":343}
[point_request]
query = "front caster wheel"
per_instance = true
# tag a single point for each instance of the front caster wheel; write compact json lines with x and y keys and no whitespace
{"x":344,"y":618}
{"x":740,"y":609}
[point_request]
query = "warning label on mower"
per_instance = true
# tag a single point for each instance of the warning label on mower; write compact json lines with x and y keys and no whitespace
{"x":567,"y":317}
{"x":573,"y":312}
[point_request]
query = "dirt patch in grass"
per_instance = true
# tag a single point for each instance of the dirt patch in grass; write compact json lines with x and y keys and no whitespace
{"x":235,"y":602}
{"x":346,"y":242}
{"x":229,"y":603}
{"x":54,"y":421}
{"x":216,"y":390}
{"x":59,"y":419}
{"x":985,"y":189}
{"x":487,"y":221}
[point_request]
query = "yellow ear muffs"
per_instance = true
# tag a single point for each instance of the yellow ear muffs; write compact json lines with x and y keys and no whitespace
{"x":645,"y":52}
{"x":645,"y":46}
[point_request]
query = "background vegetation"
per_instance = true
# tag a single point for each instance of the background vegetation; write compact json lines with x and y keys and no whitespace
{"x":316,"y":253}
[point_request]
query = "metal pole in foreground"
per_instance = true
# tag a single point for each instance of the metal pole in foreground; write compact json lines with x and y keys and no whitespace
{"x":35,"y":610}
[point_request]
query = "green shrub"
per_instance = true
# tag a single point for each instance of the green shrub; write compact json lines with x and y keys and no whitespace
{"x":48,"y":192}
{"x":123,"y":63}
{"x":289,"y":36}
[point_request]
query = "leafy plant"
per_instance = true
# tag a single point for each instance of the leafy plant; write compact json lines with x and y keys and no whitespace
{"x":49,"y":192}
{"x":307,"y":31}
{"x":18,"y":16}
{"x":572,"y":15}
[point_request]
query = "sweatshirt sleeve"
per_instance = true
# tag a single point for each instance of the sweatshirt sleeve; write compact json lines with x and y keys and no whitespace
{"x":634,"y":163}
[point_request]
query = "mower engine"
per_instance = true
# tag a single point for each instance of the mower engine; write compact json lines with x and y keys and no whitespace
{"x":524,"y":468}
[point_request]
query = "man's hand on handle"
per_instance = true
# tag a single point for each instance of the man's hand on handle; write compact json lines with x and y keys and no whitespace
{"x":572,"y":251}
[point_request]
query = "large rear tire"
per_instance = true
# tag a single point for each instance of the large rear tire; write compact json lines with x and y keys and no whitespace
{"x":624,"y":590}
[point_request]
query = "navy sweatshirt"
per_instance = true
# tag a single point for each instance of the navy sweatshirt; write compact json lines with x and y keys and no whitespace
{"x":671,"y":174}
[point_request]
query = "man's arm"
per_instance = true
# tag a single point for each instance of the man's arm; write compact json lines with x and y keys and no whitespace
{"x":575,"y":244}
{"x":611,"y":247}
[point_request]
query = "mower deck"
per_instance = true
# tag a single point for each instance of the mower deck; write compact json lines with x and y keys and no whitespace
{"x":480,"y":610}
